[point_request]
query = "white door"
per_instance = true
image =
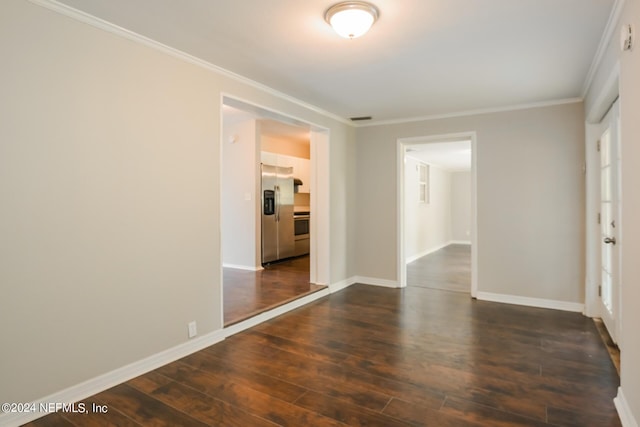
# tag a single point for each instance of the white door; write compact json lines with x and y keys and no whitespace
{"x":609,"y":219}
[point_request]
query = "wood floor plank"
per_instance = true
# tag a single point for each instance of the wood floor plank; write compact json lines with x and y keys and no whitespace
{"x":205,"y":408}
{"x":346,"y":412}
{"x":520,"y":405}
{"x":578,"y":372}
{"x":418,"y":415}
{"x":248,"y":293}
{"x":304,"y":372}
{"x":149,"y":382}
{"x":112,"y":417}
{"x":248,"y":399}
{"x":144,"y":409}
{"x":246,"y":376}
{"x":583,"y":419}
{"x":188,"y":400}
{"x":55,"y":419}
{"x":486,"y":415}
{"x":304,"y":349}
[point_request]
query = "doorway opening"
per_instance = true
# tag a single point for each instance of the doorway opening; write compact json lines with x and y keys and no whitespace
{"x":437,"y":212}
{"x":603,"y":183}
{"x":270,"y":253}
{"x":604,"y":228}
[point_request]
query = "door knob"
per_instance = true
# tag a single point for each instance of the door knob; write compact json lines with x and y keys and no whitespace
{"x":610,"y":240}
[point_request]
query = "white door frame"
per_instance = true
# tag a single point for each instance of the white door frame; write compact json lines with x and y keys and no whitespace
{"x":594,"y":128}
{"x":611,"y":318}
{"x":400,"y":154}
{"x":320,"y":260}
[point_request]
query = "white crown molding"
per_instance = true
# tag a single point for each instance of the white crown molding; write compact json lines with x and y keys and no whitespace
{"x":110,"y":379}
{"x":473,"y":112}
{"x":616,"y":11}
{"x":531,"y":302}
{"x":96,"y":22}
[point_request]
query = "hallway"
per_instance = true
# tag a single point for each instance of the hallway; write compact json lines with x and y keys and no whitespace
{"x":447,"y":269}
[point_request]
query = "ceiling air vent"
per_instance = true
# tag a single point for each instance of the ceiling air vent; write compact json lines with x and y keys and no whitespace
{"x":359,"y":119}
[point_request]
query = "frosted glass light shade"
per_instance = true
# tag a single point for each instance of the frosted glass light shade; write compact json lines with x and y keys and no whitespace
{"x":351,"y":19}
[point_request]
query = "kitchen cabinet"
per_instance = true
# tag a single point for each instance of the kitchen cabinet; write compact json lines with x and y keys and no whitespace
{"x":304,"y":173}
{"x":269,"y":158}
{"x":301,"y":167}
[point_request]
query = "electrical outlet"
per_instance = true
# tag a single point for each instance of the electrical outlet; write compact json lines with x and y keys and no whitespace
{"x":193,"y":330}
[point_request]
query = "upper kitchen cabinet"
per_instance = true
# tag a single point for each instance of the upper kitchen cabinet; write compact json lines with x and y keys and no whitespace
{"x":301,"y":170}
{"x":287,"y":145}
{"x":269,"y":158}
{"x":300,"y":167}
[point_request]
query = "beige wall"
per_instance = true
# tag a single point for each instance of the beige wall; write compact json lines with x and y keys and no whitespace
{"x":461,"y":206}
{"x":427,"y":225}
{"x":343,"y":218}
{"x":110,"y":189}
{"x":630,"y":106}
{"x":530,"y":199}
{"x":239,"y":176}
{"x":629,"y":91}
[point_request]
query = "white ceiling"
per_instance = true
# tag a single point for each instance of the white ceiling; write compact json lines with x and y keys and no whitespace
{"x":421,"y":58}
{"x":449,"y":155}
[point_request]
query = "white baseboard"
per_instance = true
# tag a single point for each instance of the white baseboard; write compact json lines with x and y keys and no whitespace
{"x":376,"y":282}
{"x":531,"y":302}
{"x":242,"y":267}
{"x":110,"y":379}
{"x":268,"y":315}
{"x":624,"y":411}
{"x":343,"y":284}
{"x":460,"y":242}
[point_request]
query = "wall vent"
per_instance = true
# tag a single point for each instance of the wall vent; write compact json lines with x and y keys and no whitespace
{"x":361,"y":118}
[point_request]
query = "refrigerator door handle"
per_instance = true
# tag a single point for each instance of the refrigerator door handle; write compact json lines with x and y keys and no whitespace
{"x":277,"y":188}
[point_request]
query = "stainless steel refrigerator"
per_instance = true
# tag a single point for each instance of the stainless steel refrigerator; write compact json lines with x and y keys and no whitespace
{"x":277,"y":213}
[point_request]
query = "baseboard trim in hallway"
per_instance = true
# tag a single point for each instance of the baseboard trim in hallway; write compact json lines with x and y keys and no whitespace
{"x":624,"y":411}
{"x":531,"y":302}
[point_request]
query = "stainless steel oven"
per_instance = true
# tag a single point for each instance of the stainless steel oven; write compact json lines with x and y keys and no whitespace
{"x":301,"y":229}
{"x":301,"y":226}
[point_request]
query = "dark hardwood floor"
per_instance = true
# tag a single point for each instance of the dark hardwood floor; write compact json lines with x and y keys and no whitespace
{"x":381,"y":357}
{"x":248,"y":293}
{"x":448,"y":269}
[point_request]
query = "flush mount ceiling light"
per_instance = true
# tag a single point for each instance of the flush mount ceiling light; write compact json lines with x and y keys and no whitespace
{"x":351,"y":19}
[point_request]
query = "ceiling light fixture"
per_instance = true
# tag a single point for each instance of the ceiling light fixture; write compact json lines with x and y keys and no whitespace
{"x":351,"y":19}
